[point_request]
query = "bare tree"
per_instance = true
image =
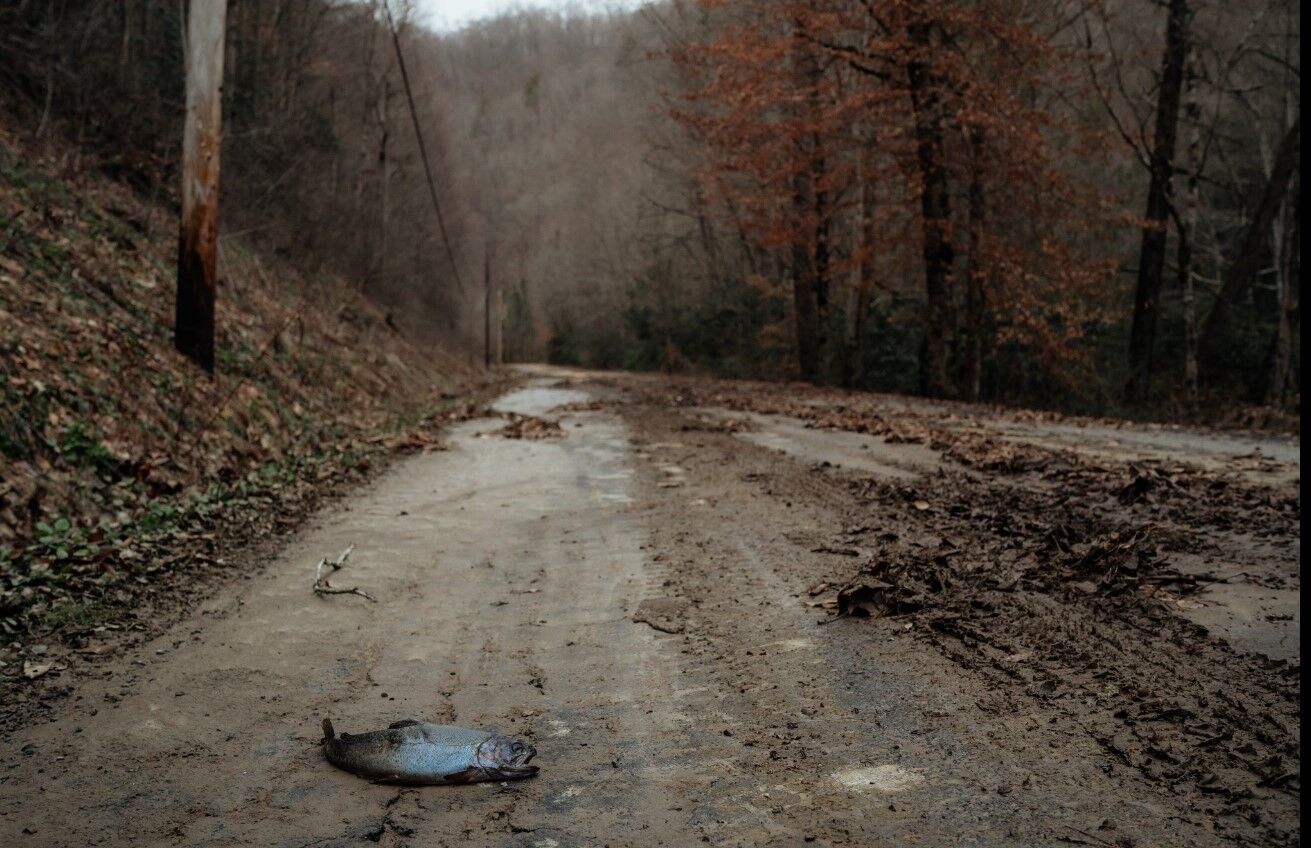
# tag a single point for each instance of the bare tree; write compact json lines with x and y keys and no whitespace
{"x":1151,"y":259}
{"x":1238,"y":277}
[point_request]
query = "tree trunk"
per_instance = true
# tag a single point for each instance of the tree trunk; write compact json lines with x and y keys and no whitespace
{"x":1151,"y":259}
{"x":862,"y":284}
{"x":935,"y":219}
{"x":804,"y":302}
{"x":1188,"y":233}
{"x":806,"y":282}
{"x":971,"y":372}
{"x":1280,"y":363}
{"x":384,"y":180}
{"x":1239,"y":276}
{"x":823,"y":268}
{"x":753,"y":264}
{"x":198,"y":241}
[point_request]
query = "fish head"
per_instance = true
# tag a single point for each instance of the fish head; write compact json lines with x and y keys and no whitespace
{"x":505,"y":758}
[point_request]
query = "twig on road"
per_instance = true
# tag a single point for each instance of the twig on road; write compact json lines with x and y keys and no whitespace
{"x":328,"y":566}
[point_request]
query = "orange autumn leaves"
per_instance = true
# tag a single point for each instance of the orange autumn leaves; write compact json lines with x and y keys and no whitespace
{"x":805,"y":107}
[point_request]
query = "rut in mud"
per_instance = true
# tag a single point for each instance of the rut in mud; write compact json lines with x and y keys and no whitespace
{"x":631,"y":575}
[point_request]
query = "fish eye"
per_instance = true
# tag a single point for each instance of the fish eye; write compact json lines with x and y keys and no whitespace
{"x":516,"y":748}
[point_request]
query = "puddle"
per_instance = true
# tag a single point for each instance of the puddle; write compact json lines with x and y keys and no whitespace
{"x":1250,"y":617}
{"x":538,"y":399}
{"x":887,"y":779}
{"x":1265,"y":459}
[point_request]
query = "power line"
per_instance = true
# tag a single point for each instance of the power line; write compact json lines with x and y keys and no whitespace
{"x":423,"y":150}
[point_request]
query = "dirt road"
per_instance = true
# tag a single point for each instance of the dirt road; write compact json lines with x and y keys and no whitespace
{"x":632,"y":596}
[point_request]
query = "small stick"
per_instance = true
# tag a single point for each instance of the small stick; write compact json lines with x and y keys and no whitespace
{"x":321,"y":585}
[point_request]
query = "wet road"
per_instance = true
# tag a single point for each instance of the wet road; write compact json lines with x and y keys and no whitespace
{"x":503,"y":569}
{"x":626,"y":600}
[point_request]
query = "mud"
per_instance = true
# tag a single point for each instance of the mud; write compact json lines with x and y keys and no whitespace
{"x":1072,"y":580}
{"x":632,"y":597}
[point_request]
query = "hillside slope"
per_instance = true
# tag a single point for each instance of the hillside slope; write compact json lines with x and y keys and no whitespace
{"x":112,"y":446}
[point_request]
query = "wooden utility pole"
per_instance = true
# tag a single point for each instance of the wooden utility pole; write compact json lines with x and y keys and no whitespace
{"x":500,"y":326}
{"x":487,"y":306}
{"x":193,"y":331}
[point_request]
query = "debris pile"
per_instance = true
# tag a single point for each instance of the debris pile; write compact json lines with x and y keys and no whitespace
{"x":530,"y":427}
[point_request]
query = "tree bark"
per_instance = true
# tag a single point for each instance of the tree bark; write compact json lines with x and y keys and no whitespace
{"x":935,"y":218}
{"x":971,"y":372}
{"x":1280,"y":365}
{"x":805,"y":304}
{"x":806,"y":283}
{"x":198,"y":241}
{"x":384,"y":181}
{"x":1242,"y":271}
{"x":1151,"y":260}
{"x":862,"y":284}
{"x":823,"y":266}
{"x":1187,"y":216}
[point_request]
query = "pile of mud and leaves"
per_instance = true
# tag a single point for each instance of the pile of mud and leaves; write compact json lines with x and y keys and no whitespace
{"x":1054,"y":577}
{"x":894,"y":418}
{"x":1061,"y":575}
{"x":124,"y":470}
{"x":529,"y":427}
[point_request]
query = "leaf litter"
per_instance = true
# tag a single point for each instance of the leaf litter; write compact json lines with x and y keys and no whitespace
{"x":1055,"y":575}
{"x":128,"y":481}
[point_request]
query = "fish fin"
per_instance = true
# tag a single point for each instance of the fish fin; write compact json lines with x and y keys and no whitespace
{"x":328,"y":733}
{"x":405,"y":722}
{"x":473,"y":774}
{"x":395,"y":780}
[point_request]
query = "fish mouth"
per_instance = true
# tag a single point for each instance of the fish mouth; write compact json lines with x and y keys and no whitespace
{"x":520,"y":767}
{"x":516,"y":772}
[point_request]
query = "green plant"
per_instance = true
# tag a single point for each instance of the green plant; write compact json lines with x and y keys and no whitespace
{"x":78,"y":446}
{"x":60,"y":541}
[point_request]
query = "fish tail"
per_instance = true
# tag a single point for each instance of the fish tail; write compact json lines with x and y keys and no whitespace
{"x":328,"y":733}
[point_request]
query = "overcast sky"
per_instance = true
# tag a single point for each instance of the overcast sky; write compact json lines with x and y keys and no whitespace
{"x":453,"y":14}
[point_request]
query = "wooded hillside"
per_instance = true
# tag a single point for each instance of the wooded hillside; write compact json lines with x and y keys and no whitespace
{"x":1081,"y":205}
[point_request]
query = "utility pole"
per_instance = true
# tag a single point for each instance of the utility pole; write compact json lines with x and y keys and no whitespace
{"x":487,"y":305}
{"x":500,"y":325}
{"x":193,"y":331}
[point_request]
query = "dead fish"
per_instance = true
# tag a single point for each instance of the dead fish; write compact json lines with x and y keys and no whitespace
{"x":421,"y":754}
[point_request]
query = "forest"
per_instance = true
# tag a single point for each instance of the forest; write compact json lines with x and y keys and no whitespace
{"x":1086,"y":205}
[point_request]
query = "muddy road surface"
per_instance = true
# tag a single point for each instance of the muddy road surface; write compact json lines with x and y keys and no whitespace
{"x":650,"y":595}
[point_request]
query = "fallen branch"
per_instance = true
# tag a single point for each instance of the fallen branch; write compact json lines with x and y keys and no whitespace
{"x":328,"y":566}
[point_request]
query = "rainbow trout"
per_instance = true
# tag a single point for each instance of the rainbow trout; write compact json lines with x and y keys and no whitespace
{"x":422,"y":754}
